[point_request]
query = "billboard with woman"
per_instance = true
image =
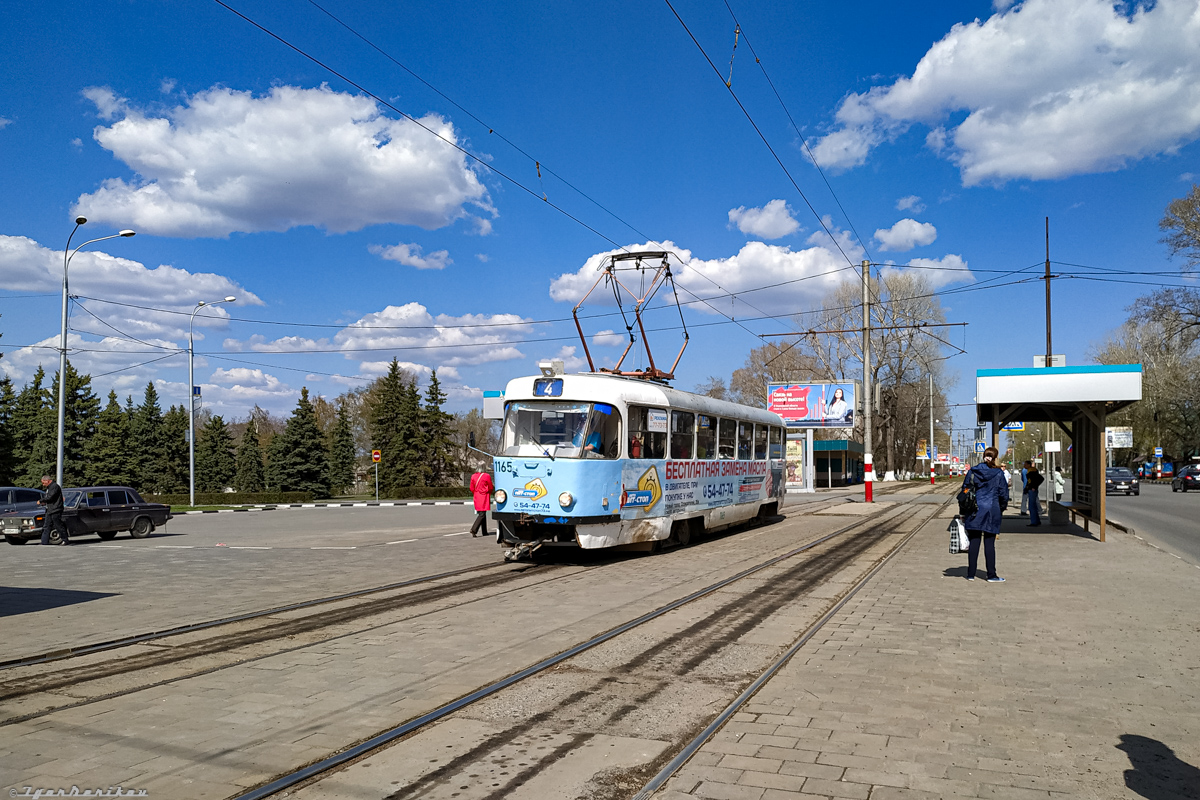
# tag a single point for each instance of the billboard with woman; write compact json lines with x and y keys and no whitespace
{"x":813,"y":405}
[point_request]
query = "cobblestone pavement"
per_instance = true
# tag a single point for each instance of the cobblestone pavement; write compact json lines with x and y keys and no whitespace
{"x":1076,"y":678}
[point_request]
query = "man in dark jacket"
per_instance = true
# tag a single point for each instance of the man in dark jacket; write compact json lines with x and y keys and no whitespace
{"x":53,"y":501}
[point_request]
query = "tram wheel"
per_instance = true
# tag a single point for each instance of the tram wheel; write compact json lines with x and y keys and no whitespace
{"x":681,"y":532}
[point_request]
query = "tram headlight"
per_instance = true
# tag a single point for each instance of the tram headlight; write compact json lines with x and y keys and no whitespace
{"x":501,"y":497}
{"x":565,"y":499}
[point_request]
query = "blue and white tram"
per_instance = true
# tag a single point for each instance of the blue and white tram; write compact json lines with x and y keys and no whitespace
{"x":598,"y":460}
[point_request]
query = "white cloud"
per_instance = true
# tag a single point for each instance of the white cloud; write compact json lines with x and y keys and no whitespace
{"x":4,"y":122}
{"x":228,"y":161}
{"x":939,"y":272}
{"x":571,"y":362}
{"x":89,"y":357}
{"x":609,"y":338}
{"x":1187,"y":176}
{"x":785,"y":280}
{"x":905,"y":235}
{"x":482,"y":257}
{"x":1050,"y":88}
{"x":407,"y":332}
{"x":769,"y":222}
{"x":410,"y":256}
{"x":910,"y":203}
{"x":26,"y":265}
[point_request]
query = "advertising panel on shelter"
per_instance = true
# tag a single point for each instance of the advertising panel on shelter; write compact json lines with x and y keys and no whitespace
{"x":813,"y":405}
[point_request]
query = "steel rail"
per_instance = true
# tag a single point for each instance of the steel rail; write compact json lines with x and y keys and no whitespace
{"x":690,"y":749}
{"x":388,"y":736}
{"x":126,"y":641}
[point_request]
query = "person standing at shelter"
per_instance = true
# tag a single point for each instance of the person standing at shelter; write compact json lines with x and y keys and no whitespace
{"x":481,"y":488}
{"x":53,"y":501}
{"x":1024,"y":498}
{"x":1033,"y":480}
{"x":1059,"y":483}
{"x":991,"y":499}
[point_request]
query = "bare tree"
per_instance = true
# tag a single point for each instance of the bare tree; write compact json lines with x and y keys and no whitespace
{"x":1181,"y":224}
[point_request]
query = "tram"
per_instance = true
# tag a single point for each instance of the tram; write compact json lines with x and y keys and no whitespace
{"x":602,"y":460}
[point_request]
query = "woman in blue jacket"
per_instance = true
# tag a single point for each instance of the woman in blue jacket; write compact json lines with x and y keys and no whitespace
{"x":991,"y":497}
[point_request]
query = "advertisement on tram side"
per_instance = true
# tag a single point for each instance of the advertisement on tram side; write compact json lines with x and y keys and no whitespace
{"x":813,"y":405}
{"x":657,"y":488}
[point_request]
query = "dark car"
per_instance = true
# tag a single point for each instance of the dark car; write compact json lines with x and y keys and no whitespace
{"x":1119,"y":480}
{"x":1188,"y":478}
{"x":102,"y":510}
{"x":14,"y":498}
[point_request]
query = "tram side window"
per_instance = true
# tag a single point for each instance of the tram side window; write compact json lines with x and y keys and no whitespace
{"x":727,"y":439}
{"x":706,"y":436}
{"x":776,"y":449}
{"x":683,"y":425}
{"x":647,"y":432}
{"x":760,"y":441}
{"x":745,"y":445}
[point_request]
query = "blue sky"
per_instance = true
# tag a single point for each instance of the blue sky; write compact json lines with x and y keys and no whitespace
{"x":247,"y":169}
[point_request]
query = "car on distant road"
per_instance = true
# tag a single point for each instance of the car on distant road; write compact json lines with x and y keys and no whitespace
{"x":1187,"y":478}
{"x":1121,"y":480}
{"x":102,"y":510}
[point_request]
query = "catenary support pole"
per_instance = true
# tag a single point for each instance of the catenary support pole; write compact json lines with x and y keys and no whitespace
{"x":1049,"y":346}
{"x":933,"y":474}
{"x":868,"y":467}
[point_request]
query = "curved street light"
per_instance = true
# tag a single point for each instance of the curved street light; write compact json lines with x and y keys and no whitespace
{"x":68,"y":254}
{"x":192,"y":400}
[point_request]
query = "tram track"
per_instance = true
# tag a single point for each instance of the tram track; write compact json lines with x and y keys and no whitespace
{"x":148,"y":637}
{"x":153,"y":659}
{"x":610,"y":698}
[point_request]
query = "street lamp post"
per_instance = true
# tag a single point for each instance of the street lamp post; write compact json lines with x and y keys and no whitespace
{"x":192,"y":401}
{"x":68,"y":254}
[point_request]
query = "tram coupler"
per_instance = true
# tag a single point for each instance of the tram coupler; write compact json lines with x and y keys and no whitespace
{"x":523,"y":551}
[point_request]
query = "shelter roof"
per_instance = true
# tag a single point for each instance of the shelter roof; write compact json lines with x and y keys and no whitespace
{"x":1054,"y":394}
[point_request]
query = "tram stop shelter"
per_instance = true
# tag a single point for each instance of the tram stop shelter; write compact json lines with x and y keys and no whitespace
{"x":839,"y":462}
{"x":1076,"y":399}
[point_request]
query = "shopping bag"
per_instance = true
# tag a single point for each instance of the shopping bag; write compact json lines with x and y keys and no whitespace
{"x":959,"y":542}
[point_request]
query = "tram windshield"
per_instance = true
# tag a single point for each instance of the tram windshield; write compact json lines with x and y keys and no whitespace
{"x":562,"y":430}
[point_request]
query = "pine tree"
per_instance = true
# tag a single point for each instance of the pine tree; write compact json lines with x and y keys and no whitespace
{"x":8,"y":454}
{"x":302,"y":462}
{"x":341,"y":452}
{"x":250,"y":472}
{"x":146,"y":442}
{"x":173,"y":472}
{"x":413,"y":469}
{"x":35,"y":424}
{"x":216,"y":465}
{"x":106,"y":455}
{"x":437,"y":432}
{"x":80,"y":409}
{"x":276,"y":456}
{"x":386,"y":411}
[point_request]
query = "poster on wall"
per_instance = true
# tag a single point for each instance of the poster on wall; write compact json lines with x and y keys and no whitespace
{"x":813,"y":405}
{"x":795,"y":462}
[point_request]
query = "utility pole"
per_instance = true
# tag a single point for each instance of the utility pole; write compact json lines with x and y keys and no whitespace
{"x":1049,"y":347}
{"x":868,"y":467}
{"x":933,"y":473}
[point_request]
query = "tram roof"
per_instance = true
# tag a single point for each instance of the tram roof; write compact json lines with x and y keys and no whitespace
{"x":602,"y":387}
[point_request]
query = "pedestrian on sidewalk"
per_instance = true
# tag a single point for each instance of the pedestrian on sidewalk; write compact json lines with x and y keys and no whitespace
{"x":1033,"y":480}
{"x":1024,"y":500}
{"x":1059,"y":484}
{"x":991,"y":499}
{"x":53,"y":501}
{"x":481,"y":488}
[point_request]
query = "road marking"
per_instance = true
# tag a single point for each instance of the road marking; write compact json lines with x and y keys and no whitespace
{"x":412,"y":504}
{"x":308,"y":505}
{"x":247,"y":547}
{"x":176,"y":546}
{"x":441,"y":503}
{"x":403,"y":541}
{"x":333,"y":548}
{"x":360,"y":505}
{"x":464,"y":533}
{"x":108,"y":545}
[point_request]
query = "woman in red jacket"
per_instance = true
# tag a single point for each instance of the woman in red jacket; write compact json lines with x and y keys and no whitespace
{"x":481,"y":487}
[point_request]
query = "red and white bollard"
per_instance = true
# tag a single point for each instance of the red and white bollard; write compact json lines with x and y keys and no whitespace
{"x":868,"y":475}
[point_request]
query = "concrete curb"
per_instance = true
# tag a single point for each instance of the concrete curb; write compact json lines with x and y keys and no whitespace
{"x":267,"y":507}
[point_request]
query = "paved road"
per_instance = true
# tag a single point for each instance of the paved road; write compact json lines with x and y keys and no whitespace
{"x":1169,"y":520}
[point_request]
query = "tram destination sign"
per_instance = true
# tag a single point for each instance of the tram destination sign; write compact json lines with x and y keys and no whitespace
{"x":814,"y":405}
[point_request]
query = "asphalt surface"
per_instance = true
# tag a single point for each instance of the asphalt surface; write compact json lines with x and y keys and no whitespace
{"x":1168,"y":519}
